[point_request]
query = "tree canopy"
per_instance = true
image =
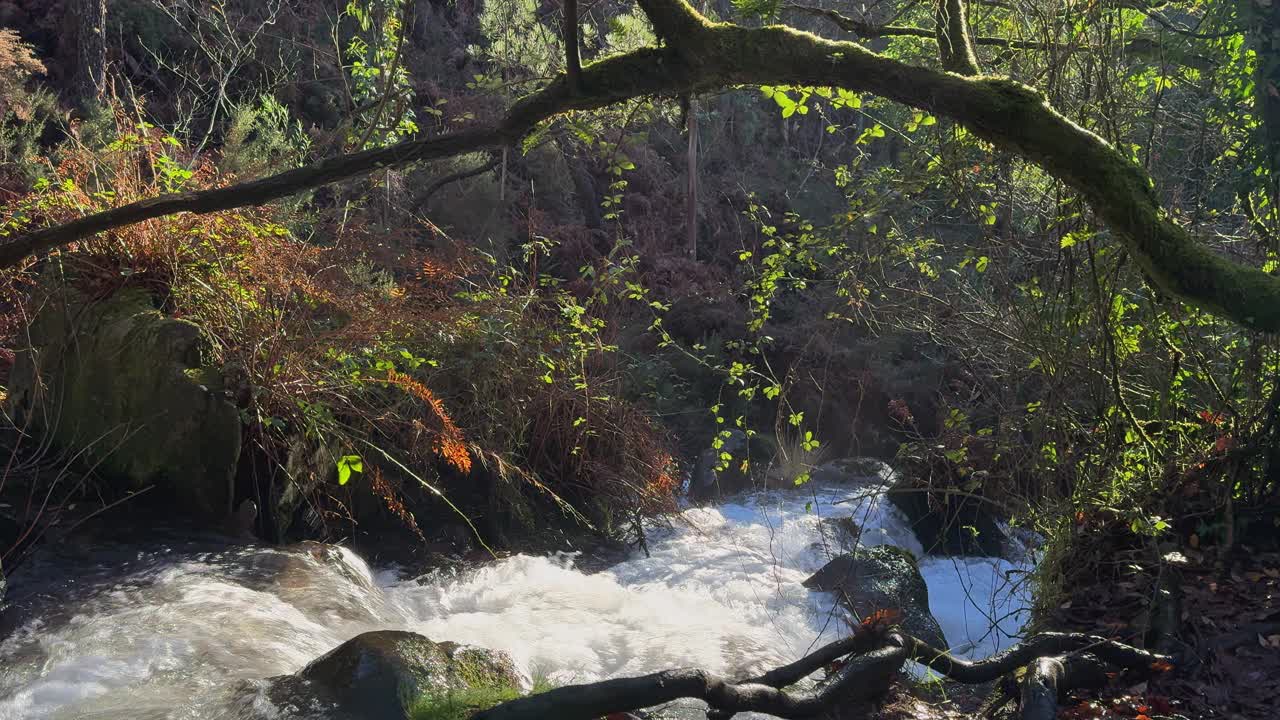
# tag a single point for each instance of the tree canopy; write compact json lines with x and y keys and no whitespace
{"x":696,"y":55}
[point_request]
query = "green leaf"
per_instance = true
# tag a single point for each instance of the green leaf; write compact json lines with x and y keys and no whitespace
{"x":348,"y":464}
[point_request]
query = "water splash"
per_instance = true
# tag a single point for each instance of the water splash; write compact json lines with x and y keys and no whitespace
{"x":172,"y":632}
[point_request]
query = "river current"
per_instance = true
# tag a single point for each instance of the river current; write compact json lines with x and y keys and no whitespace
{"x":188,"y":630}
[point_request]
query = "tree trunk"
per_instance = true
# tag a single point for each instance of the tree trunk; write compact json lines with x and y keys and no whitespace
{"x":1264,"y":35}
{"x":91,"y":49}
{"x":691,"y":120}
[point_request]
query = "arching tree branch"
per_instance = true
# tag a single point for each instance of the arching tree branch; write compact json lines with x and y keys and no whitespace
{"x":699,"y":56}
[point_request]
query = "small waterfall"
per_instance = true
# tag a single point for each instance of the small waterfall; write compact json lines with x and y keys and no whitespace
{"x":182,"y":631}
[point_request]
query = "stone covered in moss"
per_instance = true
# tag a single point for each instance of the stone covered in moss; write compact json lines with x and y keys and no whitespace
{"x":382,"y":675}
{"x":127,"y":391}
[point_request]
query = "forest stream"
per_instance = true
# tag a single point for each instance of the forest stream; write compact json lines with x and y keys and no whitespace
{"x":189,"y":630}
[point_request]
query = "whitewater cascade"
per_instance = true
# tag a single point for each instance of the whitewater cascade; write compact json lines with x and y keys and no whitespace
{"x":182,"y":631}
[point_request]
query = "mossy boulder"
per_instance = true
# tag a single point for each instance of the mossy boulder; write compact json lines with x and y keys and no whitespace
{"x":882,"y":578}
{"x":126,"y":390}
{"x":383,"y":675}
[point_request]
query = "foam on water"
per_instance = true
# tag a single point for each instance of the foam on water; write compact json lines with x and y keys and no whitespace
{"x":721,"y":590}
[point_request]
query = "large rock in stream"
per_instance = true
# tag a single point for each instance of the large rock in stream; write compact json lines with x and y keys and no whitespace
{"x":122,"y":388}
{"x":882,"y":578}
{"x":381,"y":675}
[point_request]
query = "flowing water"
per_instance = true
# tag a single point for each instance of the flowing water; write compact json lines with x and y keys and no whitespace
{"x":185,"y":631}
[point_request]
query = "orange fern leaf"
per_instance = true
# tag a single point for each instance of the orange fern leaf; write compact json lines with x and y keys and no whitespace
{"x":449,"y":442}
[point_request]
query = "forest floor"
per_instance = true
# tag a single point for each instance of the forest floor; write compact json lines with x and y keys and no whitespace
{"x":1229,"y":666}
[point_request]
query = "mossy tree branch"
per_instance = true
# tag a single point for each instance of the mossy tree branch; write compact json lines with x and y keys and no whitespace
{"x":700,"y":56}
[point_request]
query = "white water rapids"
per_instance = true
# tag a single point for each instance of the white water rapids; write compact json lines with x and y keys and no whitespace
{"x":167,"y":632}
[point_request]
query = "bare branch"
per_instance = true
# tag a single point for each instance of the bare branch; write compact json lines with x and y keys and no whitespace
{"x":861,"y":28}
{"x":1042,"y":645}
{"x":451,"y":178}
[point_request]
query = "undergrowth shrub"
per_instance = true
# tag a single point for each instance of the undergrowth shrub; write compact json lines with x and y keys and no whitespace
{"x":24,"y":111}
{"x":399,"y":373}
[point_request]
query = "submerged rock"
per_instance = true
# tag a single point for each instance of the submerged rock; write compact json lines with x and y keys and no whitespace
{"x":129,"y":389}
{"x":381,"y":675}
{"x":882,"y":578}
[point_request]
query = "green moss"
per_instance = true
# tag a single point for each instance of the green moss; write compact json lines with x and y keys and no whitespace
{"x":461,"y":704}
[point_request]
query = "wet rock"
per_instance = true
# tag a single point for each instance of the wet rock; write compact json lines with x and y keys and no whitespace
{"x":852,"y":471}
{"x":708,"y":483}
{"x":882,"y":578}
{"x":380,"y":675}
{"x":1020,"y":543}
{"x":308,"y":463}
{"x":316,"y":578}
{"x":241,"y":525}
{"x":10,"y":532}
{"x":948,"y":523}
{"x":130,"y":388}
